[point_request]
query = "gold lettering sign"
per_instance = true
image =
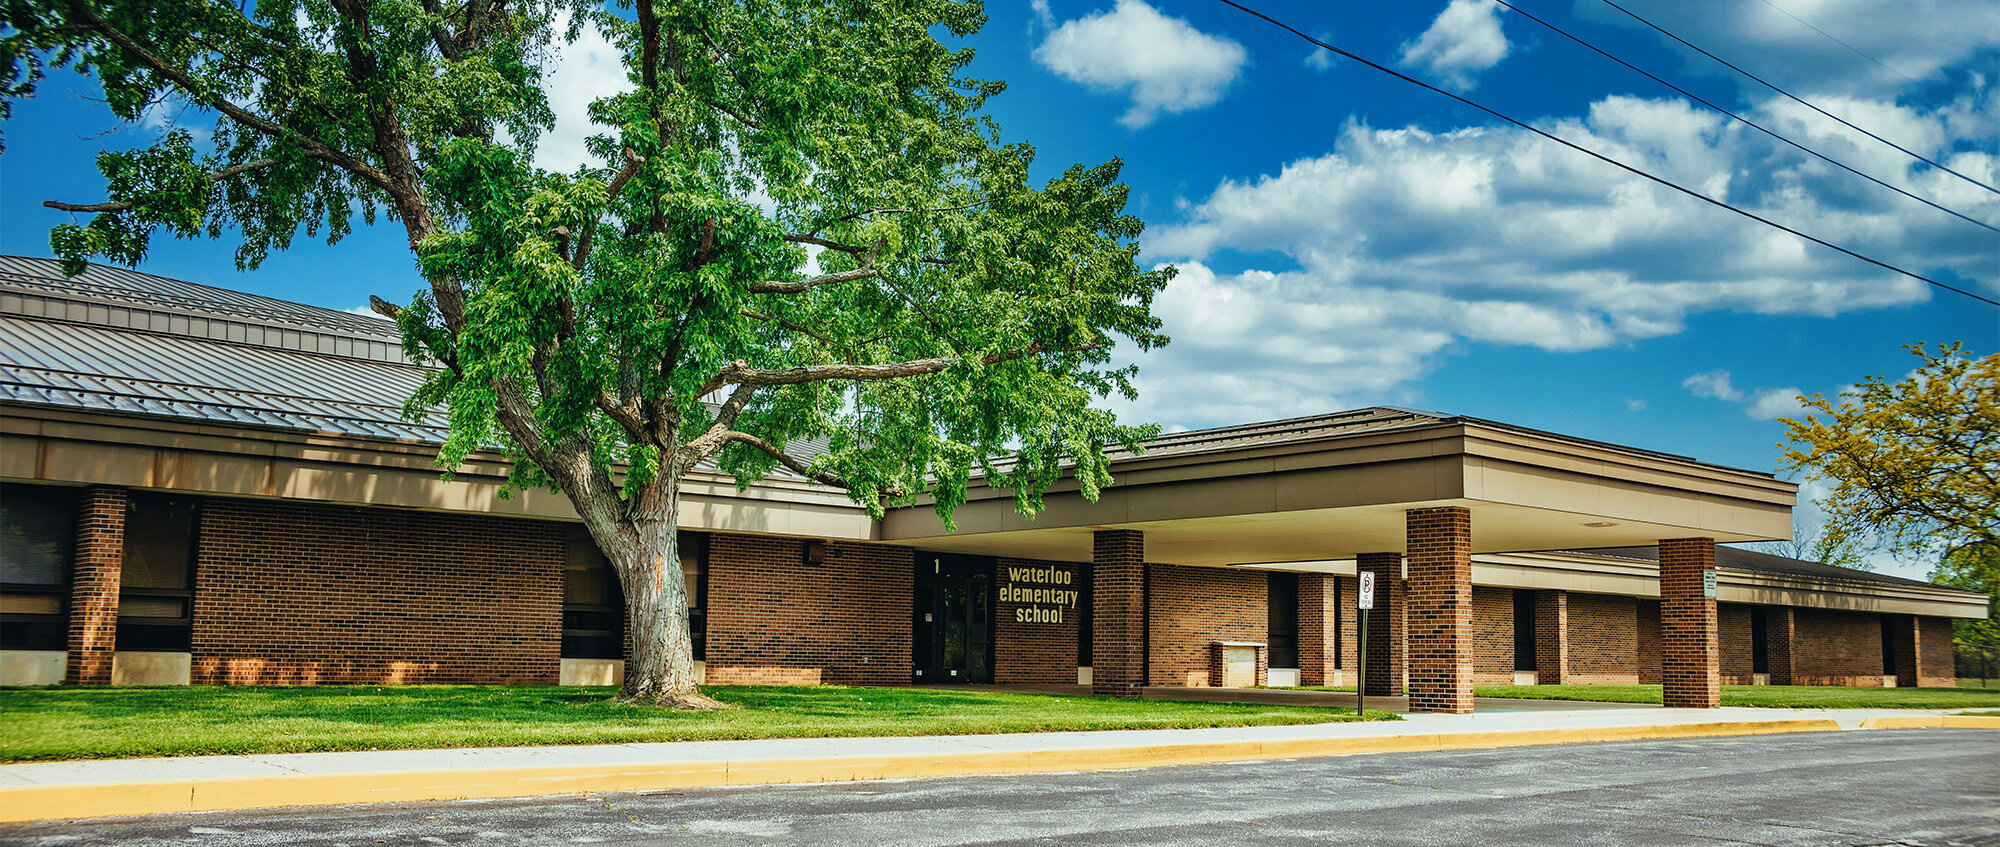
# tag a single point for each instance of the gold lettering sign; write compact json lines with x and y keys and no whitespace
{"x":1041,"y":595}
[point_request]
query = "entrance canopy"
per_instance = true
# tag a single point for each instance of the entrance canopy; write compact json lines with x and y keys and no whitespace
{"x":1334,"y":486}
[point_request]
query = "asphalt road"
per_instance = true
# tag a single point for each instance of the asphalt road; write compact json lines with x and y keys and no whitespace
{"x":1917,"y":787}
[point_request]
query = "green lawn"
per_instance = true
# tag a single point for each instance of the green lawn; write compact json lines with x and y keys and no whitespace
{"x":1763,"y":696}
{"x":95,"y":723}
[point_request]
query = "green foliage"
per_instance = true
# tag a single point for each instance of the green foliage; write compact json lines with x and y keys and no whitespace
{"x":755,"y":130}
{"x":1915,"y":462}
{"x":1974,"y":567}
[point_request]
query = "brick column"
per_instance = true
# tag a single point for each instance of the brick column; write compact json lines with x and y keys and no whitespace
{"x":1440,"y":609}
{"x":93,"y":586}
{"x":1690,"y":658}
{"x":1319,"y":598}
{"x":1386,"y":671}
{"x":1551,"y":637}
{"x":1781,"y":631}
{"x":1118,"y":612}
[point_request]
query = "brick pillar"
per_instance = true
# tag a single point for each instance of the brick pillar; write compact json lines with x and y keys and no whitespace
{"x":1118,"y":612}
{"x":1439,"y":609}
{"x":1781,"y":631}
{"x":1551,"y":637}
{"x":93,"y":586}
{"x":1386,"y":671}
{"x":1319,"y":597}
{"x":1690,"y":659}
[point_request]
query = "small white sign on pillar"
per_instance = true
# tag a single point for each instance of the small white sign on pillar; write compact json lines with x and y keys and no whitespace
{"x":1708,"y":584}
{"x":1366,"y":599}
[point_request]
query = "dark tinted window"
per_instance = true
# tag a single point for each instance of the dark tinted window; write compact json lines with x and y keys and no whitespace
{"x":1282,"y":619}
{"x":156,"y":590}
{"x":37,"y":545}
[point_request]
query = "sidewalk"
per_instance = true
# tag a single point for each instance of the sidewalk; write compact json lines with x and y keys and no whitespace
{"x":60,"y":790}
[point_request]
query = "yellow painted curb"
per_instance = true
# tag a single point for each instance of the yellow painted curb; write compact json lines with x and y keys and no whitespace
{"x":20,"y":803}
{"x":1932,"y":722}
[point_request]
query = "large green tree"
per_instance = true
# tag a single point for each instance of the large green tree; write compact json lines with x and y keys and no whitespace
{"x":619,"y":326}
{"x":1915,"y":464}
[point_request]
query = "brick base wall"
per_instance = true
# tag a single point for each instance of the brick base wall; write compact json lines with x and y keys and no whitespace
{"x":1604,"y":640}
{"x":95,"y":577}
{"x":774,"y":620}
{"x":1836,"y":648}
{"x":303,"y":594}
{"x":1936,"y":667}
{"x":1737,"y":648}
{"x":1492,"y":636}
{"x":1036,"y":651}
{"x":1192,"y":607}
{"x":1649,"y":641}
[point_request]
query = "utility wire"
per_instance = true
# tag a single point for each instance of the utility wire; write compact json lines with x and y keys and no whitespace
{"x":1831,"y":37}
{"x":1761,"y":81}
{"x":1605,"y":159}
{"x":1750,"y":123}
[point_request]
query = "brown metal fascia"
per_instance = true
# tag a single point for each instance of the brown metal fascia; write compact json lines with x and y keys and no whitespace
{"x":327,"y":448}
{"x":1353,"y":449}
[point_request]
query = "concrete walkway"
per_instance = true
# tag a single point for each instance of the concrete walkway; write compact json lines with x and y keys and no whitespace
{"x":61,"y":790}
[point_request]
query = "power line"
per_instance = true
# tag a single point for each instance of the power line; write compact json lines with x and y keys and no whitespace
{"x":1795,"y":98}
{"x":1750,"y":123}
{"x":1606,"y":159}
{"x":1831,"y":37}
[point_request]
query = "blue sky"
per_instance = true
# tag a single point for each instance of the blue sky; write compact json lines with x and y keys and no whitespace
{"x":1346,"y":239}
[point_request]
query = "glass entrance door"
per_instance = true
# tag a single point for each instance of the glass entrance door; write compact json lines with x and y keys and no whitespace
{"x":952,"y":640}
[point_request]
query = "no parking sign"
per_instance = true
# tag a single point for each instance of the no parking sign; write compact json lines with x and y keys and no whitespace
{"x":1367,"y":597}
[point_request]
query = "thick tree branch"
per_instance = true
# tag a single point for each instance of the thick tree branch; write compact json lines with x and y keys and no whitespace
{"x":728,"y":437}
{"x":817,"y":241}
{"x":185,"y":81}
{"x":123,"y":205}
{"x":812,"y":282}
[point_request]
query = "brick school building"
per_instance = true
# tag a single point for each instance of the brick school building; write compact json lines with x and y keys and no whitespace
{"x":201,"y":486}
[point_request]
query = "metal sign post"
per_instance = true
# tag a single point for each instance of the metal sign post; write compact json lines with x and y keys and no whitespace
{"x":1363,"y":600}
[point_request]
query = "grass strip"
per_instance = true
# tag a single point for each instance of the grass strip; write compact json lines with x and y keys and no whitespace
{"x":103,"y":723}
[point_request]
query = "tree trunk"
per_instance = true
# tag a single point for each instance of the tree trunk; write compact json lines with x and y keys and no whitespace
{"x":645,"y":549}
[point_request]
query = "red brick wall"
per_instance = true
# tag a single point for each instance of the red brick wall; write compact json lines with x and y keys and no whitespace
{"x":1194,"y":606}
{"x":1604,"y":640}
{"x":1738,"y":658}
{"x":1319,"y":612}
{"x":93,"y":588}
{"x":772,"y":619}
{"x":1552,"y":638}
{"x":1492,"y":636}
{"x":1937,"y":668}
{"x":1649,"y":641}
{"x":302,"y":594}
{"x":1036,"y":651}
{"x":1837,"y":648}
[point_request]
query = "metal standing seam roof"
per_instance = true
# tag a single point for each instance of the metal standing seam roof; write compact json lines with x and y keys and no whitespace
{"x":114,"y":340}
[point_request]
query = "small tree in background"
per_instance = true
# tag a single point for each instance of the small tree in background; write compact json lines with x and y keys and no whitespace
{"x":623,"y":324}
{"x":1916,"y":468}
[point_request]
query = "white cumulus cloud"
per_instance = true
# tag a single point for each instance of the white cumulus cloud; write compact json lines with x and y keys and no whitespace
{"x":1463,"y":42}
{"x":1165,"y":64}
{"x":1342,"y":278}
